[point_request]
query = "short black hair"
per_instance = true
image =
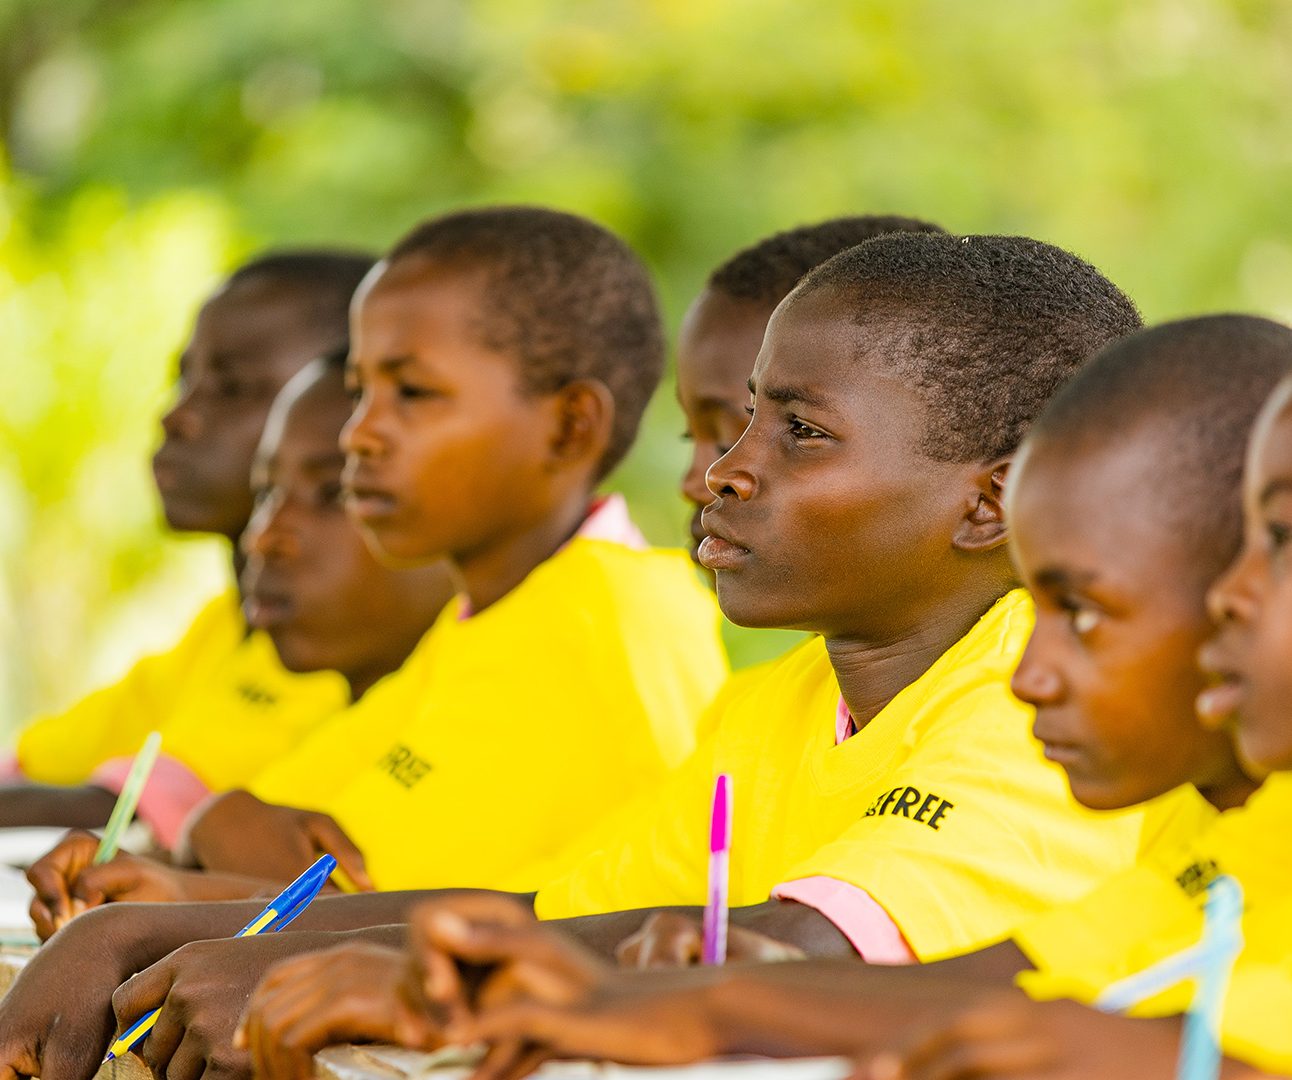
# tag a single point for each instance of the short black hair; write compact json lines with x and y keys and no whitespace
{"x":1197,"y":385}
{"x":984,"y":328}
{"x":321,"y":280}
{"x":564,"y":296}
{"x":765,"y":272}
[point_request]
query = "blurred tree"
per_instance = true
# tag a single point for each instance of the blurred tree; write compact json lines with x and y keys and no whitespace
{"x":1154,"y":138}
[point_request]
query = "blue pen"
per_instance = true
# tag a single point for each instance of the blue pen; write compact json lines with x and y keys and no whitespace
{"x":282,"y":909}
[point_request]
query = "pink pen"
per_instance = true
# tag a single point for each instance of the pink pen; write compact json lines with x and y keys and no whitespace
{"x":715,"y":911}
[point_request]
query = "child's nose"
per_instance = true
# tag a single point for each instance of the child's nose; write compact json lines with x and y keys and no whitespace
{"x":1230,"y":599}
{"x":1035,"y":683}
{"x":269,"y":535}
{"x":731,"y":474}
{"x":694,"y":488}
{"x":361,"y":434}
{"x":181,"y":420}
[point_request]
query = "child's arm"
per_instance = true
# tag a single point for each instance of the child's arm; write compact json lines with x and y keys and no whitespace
{"x":1009,"y":1035}
{"x":83,"y":806}
{"x":779,"y":930}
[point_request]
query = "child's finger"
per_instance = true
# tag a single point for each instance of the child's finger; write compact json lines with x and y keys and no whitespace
{"x":42,"y":919}
{"x":510,"y":1061}
{"x":329,"y":838}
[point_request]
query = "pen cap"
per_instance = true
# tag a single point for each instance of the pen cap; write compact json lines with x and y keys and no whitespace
{"x":720,"y":820}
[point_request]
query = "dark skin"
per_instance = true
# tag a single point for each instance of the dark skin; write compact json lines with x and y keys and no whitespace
{"x":248,"y":340}
{"x":716,"y":349}
{"x":1121,"y":611}
{"x":1246,"y":661}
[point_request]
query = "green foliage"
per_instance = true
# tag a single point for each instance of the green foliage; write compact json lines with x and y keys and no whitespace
{"x":151,"y":141}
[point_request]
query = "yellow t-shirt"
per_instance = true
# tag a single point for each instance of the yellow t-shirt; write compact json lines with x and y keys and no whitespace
{"x":942,"y":808}
{"x":510,"y":733}
{"x":1155,"y":910}
{"x":223,"y":702}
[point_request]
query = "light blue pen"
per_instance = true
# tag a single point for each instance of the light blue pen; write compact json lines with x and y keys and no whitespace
{"x":282,"y":909}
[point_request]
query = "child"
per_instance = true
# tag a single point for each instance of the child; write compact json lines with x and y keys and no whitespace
{"x":311,"y":584}
{"x":254,"y":333}
{"x":1123,"y":508}
{"x":723,"y":331}
{"x":882,"y":767}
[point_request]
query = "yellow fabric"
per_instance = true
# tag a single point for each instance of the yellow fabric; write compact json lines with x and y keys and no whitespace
{"x":1155,"y":910}
{"x":992,"y":837}
{"x":223,"y":702}
{"x":510,"y":733}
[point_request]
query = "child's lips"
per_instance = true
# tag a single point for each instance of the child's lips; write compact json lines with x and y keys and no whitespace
{"x":369,"y":503}
{"x":715,"y":553}
{"x":1220,"y":701}
{"x":264,"y":612}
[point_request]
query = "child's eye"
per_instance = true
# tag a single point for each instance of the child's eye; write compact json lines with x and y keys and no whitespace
{"x":1082,"y":618}
{"x":749,"y":410}
{"x":330,"y":494}
{"x":1278,"y":535}
{"x":409,"y":392}
{"x":800,"y":430}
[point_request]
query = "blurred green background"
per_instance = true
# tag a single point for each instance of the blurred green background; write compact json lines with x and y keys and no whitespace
{"x":149,"y":144}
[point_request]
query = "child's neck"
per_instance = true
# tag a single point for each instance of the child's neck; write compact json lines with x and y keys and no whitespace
{"x":871,"y":671}
{"x":490,"y":574}
{"x":1230,"y":793}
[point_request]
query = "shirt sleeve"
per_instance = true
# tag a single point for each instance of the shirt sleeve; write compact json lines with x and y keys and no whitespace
{"x":975,"y":831}
{"x":857,"y":916}
{"x":171,"y":793}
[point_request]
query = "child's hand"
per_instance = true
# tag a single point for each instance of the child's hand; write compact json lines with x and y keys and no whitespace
{"x":532,"y":992}
{"x":1008,"y":1035}
{"x":53,"y":875}
{"x":287,"y":840}
{"x":72,"y":977}
{"x":201,"y":988}
{"x":671,"y":939}
{"x":352,"y":993}
{"x":476,"y":949}
{"x":68,"y":883}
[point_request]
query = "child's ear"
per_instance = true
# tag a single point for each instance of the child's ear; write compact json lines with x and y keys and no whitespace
{"x":983,"y":525}
{"x":585,"y":415}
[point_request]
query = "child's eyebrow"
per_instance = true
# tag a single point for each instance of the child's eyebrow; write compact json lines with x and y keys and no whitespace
{"x":1058,"y":578}
{"x":791,"y":395}
{"x":1275,"y":487}
{"x":324,"y":463}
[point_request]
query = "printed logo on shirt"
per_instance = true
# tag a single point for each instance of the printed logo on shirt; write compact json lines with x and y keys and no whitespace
{"x":1195,"y":879}
{"x":255,"y":695}
{"x":911,"y":803}
{"x":405,"y":766}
